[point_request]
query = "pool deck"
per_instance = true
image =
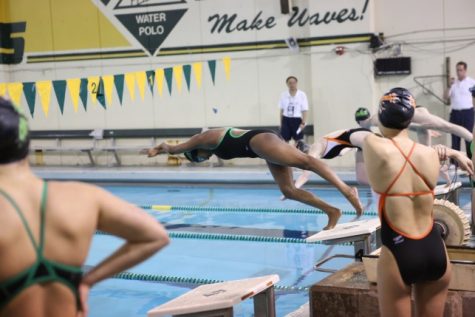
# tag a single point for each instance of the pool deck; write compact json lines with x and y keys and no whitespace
{"x":184,"y":174}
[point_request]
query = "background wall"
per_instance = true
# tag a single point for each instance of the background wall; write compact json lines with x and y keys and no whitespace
{"x":67,"y":39}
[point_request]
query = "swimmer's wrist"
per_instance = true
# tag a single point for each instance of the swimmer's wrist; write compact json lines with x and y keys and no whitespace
{"x":86,"y":280}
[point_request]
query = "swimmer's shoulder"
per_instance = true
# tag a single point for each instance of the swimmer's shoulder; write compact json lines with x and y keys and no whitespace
{"x":374,"y":142}
{"x":75,"y":192}
{"x":426,"y":153}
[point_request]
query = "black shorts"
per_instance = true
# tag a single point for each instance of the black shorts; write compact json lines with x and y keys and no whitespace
{"x":289,"y":127}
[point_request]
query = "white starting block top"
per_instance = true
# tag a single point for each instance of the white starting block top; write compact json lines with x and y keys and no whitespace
{"x":444,"y":189}
{"x":214,"y":296}
{"x":346,"y":230}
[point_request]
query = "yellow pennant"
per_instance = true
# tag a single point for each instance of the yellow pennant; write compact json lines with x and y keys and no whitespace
{"x":93,"y":87}
{"x":178,"y":73}
{"x":198,"y":71}
{"x":141,"y":82}
{"x":130,"y":83}
{"x":227,"y":66}
{"x":159,"y":77}
{"x":74,"y":85}
{"x":43,"y":88}
{"x":108,"y":81}
{"x":14,"y":91}
{"x":3,"y":89}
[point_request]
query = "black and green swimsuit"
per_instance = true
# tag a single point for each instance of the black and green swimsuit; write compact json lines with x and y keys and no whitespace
{"x":42,"y":270}
{"x":232,"y":145}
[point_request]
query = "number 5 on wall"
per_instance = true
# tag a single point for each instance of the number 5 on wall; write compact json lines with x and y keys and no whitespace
{"x":12,"y":46}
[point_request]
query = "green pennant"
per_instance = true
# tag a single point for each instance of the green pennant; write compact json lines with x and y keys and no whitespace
{"x":212,"y":69}
{"x":150,"y":79}
{"x":59,"y":87}
{"x":169,"y":78}
{"x":83,"y":92}
{"x":187,"y":72}
{"x":100,"y":93}
{"x":119,"y":86}
{"x":29,"y":90}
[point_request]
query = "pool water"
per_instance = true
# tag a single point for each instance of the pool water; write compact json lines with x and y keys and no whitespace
{"x":187,"y":259}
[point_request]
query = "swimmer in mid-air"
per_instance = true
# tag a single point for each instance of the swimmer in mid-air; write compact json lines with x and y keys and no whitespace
{"x":229,"y":143}
{"x":422,"y":123}
{"x":340,"y":142}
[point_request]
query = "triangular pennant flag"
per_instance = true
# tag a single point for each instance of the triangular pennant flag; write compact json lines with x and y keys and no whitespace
{"x":159,"y":75}
{"x":29,"y":90}
{"x":3,"y":89}
{"x":130,"y":83}
{"x":169,"y":77}
{"x":100,"y":93}
{"x":178,"y":71}
{"x":83,"y":92}
{"x":119,"y":86}
{"x":187,"y":72}
{"x":44,"y":91}
{"x":141,"y":82}
{"x":73,"y":87}
{"x":108,"y":86}
{"x":198,"y":71}
{"x":93,"y":87}
{"x":212,"y":69}
{"x":150,"y":79}
{"x":227,"y":67}
{"x":60,"y":91}
{"x":14,"y":91}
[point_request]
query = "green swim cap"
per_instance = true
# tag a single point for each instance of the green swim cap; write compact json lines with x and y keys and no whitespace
{"x":362,"y":114}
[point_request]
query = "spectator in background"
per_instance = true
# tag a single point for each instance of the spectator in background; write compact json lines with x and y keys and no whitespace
{"x":461,"y":103}
{"x":293,"y":106}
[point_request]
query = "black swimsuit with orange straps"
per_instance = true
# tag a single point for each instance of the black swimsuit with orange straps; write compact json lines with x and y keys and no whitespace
{"x":419,"y":258}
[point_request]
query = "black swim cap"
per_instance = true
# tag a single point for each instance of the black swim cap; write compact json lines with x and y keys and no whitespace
{"x":396,"y":108}
{"x":14,"y":136}
{"x":192,"y":156}
{"x":362,"y":114}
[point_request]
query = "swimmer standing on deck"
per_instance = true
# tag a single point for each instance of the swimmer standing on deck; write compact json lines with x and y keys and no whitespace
{"x":47,"y":228}
{"x":404,"y":174}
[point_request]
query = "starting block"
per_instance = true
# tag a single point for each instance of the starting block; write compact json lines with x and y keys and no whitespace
{"x":364,"y":234}
{"x":217,"y":300}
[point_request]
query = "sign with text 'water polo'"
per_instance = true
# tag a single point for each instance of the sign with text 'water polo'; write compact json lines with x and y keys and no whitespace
{"x":148,"y":21}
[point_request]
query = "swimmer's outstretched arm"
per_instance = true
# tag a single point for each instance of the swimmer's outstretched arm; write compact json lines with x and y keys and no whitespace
{"x":143,"y":236}
{"x":205,"y":140}
{"x":445,"y":153}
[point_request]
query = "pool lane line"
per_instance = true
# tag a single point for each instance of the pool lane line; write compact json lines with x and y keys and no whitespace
{"x":168,"y":208}
{"x":184,"y":280}
{"x":233,"y":237}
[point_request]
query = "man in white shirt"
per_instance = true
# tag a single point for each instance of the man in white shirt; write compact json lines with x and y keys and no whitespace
{"x":461,"y":103}
{"x":293,"y":106}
